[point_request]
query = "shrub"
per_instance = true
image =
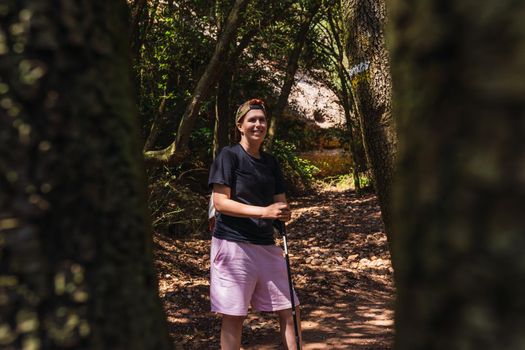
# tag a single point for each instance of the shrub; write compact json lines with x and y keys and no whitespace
{"x":299,"y":173}
{"x":175,"y":208}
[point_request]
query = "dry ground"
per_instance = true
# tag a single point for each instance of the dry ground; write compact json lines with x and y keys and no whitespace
{"x":342,"y":274}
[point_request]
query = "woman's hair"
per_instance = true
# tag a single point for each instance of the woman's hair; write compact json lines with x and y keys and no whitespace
{"x":244,"y":108}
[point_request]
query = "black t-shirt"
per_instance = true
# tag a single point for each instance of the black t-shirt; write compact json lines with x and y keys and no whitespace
{"x":252,"y":181}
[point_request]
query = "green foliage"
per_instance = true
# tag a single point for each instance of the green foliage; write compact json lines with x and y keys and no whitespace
{"x":176,"y":49}
{"x":201,"y":142}
{"x":178,"y":41}
{"x":298,"y":173}
{"x":340,"y":182}
{"x":330,"y":162}
{"x":365,"y":181}
{"x":346,"y":182}
{"x":175,"y":208}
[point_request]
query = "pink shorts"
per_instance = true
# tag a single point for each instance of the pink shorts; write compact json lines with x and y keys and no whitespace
{"x":244,"y":274}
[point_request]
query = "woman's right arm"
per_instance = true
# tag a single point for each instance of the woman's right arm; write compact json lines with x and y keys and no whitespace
{"x":225,"y":205}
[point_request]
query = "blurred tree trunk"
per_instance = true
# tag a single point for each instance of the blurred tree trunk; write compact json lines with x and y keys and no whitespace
{"x":458,"y":69}
{"x":178,"y":149}
{"x":291,"y":68}
{"x":76,"y":262}
{"x":365,"y":45}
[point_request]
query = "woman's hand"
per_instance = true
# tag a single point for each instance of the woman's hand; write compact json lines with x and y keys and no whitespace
{"x":279,"y":210}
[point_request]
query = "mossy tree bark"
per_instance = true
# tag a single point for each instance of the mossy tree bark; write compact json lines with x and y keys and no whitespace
{"x":371,"y":89}
{"x":76,"y":265}
{"x":458,"y":72}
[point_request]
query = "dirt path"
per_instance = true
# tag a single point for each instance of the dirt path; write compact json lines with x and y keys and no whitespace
{"x":342,"y":274}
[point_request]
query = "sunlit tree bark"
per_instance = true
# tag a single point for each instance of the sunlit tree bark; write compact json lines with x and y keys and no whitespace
{"x":458,"y":71}
{"x":76,"y":268}
{"x":371,"y":90}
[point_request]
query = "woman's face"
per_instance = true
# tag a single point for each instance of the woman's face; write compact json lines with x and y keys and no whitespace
{"x":253,"y":125}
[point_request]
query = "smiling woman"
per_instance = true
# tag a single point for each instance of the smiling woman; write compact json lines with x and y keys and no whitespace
{"x":247,"y":268}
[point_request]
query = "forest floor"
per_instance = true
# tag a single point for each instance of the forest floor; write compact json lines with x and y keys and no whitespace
{"x":341,"y":269}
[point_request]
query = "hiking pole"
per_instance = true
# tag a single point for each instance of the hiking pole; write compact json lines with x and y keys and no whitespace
{"x":282,"y":229}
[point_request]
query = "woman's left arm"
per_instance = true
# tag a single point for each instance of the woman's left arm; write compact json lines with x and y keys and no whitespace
{"x":281,"y":198}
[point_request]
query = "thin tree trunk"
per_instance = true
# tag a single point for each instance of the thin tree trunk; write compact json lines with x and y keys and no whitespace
{"x":178,"y":149}
{"x":222,"y":98}
{"x":76,"y":264}
{"x":137,"y":41}
{"x":222,"y":113}
{"x":156,"y":126}
{"x":372,"y":93}
{"x":349,"y":126}
{"x":161,"y":117}
{"x":460,"y":234}
{"x":346,"y":100}
{"x":346,"y":96}
{"x":139,"y":15}
{"x":222,"y":118}
{"x":150,"y":19}
{"x":289,"y":79}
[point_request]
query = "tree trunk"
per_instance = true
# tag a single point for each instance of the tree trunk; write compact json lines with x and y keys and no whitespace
{"x":221,"y":136}
{"x":222,"y":112}
{"x":222,"y":99}
{"x":178,"y":149}
{"x":350,"y":129}
{"x":161,"y":117}
{"x":139,"y":15}
{"x":347,"y":100}
{"x":289,"y":79}
{"x":458,"y":69}
{"x":156,"y":126}
{"x":372,"y":92}
{"x":76,"y":268}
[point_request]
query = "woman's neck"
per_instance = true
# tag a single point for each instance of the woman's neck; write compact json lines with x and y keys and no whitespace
{"x":252,"y":149}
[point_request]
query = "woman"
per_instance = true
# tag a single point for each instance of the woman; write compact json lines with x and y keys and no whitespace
{"x":247,"y":268}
